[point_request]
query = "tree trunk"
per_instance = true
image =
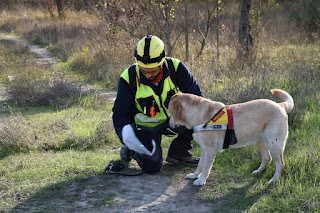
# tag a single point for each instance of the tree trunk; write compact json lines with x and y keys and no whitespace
{"x":50,"y":9}
{"x":245,"y":40}
{"x":217,"y":35}
{"x":59,"y":7}
{"x":186,"y":23}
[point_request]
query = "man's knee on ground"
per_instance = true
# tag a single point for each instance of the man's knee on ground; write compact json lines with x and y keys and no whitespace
{"x":150,"y":166}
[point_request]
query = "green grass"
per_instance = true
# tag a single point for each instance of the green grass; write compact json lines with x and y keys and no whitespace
{"x":230,"y":185}
{"x":24,"y":175}
{"x":297,"y":191}
{"x":76,"y":127}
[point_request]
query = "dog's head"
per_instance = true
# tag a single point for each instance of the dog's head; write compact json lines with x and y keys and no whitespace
{"x":176,"y":110}
{"x":190,"y":110}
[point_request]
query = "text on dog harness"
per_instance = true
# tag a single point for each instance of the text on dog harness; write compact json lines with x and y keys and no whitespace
{"x":218,"y":122}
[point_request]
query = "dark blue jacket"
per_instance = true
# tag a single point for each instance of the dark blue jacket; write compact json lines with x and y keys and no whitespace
{"x":124,"y":105}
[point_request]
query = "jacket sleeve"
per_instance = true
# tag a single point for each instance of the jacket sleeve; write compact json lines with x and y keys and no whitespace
{"x":123,"y":107}
{"x":186,"y":82}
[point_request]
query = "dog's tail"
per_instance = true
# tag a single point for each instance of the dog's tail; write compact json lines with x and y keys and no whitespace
{"x":286,"y":97}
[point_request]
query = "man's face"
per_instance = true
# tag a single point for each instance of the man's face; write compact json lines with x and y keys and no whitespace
{"x":150,"y":73}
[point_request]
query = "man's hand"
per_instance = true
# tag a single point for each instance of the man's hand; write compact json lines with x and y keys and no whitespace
{"x":130,"y":139}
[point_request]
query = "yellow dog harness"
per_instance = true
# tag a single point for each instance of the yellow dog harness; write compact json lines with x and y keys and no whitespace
{"x":218,"y":122}
{"x":222,"y":120}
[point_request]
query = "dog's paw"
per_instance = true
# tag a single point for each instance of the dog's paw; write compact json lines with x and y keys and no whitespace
{"x":272,"y":180}
{"x":256,"y":171}
{"x":192,"y":176}
{"x":199,"y":182}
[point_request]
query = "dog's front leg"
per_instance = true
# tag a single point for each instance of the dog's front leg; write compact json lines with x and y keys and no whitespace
{"x":198,"y":170}
{"x":206,"y":167}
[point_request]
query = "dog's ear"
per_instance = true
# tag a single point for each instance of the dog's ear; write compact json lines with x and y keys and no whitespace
{"x":176,"y":108}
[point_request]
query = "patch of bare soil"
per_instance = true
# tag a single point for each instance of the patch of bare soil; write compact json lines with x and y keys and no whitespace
{"x":166,"y":191}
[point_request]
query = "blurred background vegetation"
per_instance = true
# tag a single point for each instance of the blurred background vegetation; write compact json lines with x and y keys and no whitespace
{"x":237,"y":50}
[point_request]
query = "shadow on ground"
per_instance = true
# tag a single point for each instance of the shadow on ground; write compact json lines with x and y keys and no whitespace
{"x":167,"y":191}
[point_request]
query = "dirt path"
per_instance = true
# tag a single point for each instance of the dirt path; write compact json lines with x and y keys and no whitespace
{"x":46,"y":59}
{"x":167,"y":191}
{"x":44,"y":56}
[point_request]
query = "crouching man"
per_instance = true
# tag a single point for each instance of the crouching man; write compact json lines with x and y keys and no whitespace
{"x":140,"y":111}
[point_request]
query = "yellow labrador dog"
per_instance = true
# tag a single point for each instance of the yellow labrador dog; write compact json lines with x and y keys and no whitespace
{"x":262,"y":122}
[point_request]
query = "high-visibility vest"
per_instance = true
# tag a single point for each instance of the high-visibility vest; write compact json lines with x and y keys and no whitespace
{"x":152,"y":109}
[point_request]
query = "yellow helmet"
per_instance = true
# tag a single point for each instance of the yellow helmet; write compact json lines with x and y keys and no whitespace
{"x":149,"y":52}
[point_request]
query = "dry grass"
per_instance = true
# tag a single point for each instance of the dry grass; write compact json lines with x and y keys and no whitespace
{"x":31,"y":91}
{"x":17,"y":136}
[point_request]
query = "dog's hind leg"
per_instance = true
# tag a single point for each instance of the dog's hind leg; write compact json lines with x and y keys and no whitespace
{"x":279,"y":161}
{"x":265,"y":156}
{"x":276,"y":147}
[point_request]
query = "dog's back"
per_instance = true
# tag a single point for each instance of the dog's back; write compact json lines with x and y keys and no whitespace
{"x":255,"y":119}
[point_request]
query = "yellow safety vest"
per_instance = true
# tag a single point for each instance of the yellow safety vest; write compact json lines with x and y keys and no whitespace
{"x":152,"y":110}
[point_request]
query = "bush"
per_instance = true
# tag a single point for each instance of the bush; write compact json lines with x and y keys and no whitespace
{"x":16,"y":136}
{"x":30,"y":91}
{"x":307,"y":14}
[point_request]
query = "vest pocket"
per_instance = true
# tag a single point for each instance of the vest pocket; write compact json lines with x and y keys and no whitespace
{"x":149,"y":106}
